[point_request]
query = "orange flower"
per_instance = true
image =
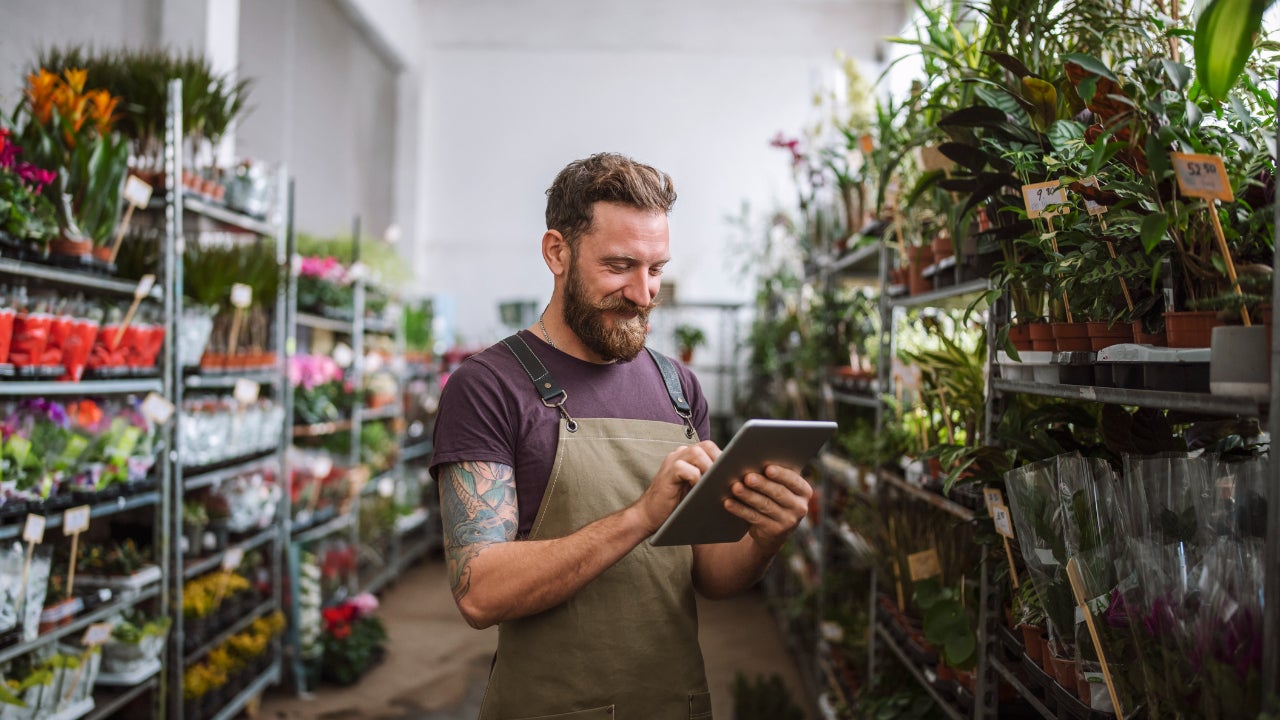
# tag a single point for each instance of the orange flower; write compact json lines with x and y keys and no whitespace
{"x":102,"y":107}
{"x":85,"y":413}
{"x":75,"y":78}
{"x":41,"y":90}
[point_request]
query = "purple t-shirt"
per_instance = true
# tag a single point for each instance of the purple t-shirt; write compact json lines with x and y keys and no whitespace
{"x":490,"y":411}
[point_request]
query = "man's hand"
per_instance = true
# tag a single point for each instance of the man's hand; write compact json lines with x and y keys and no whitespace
{"x":773,"y":503}
{"x":679,"y":471}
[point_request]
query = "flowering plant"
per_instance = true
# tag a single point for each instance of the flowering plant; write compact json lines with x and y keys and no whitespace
{"x":353,"y":638}
{"x":321,"y":395}
{"x":70,"y":129}
{"x":324,"y":282}
{"x":25,"y":213}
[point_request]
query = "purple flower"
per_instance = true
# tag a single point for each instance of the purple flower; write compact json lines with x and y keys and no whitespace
{"x":50,"y":409}
{"x":1117,"y":614}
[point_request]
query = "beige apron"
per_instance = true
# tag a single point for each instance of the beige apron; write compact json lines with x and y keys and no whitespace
{"x":626,"y":646}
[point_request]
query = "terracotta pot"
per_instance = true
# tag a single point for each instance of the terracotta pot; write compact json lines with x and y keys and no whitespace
{"x":1020,"y":336}
{"x":102,"y":253}
{"x":919,"y":257}
{"x":1103,"y":335}
{"x":1190,"y":328}
{"x":945,"y":673}
{"x":1064,"y":671}
{"x":1143,"y":337}
{"x":1042,"y":336}
{"x":74,"y":248}
{"x":1084,"y":689}
{"x":942,"y":246}
{"x":686,"y":355}
{"x":1071,"y":337}
{"x":1033,"y":640}
{"x":967,"y":680}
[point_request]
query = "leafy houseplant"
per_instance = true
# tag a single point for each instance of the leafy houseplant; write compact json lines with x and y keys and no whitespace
{"x":688,"y":339}
{"x":353,"y":639}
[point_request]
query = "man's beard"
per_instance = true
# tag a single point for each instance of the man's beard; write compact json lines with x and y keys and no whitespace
{"x":624,"y":340}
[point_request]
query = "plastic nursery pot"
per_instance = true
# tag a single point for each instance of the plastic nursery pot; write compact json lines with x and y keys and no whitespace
{"x":6,"y":333}
{"x":150,"y":341}
{"x":30,"y":338}
{"x":1190,"y":329}
{"x":75,"y":353}
{"x":1033,"y":639}
{"x":1084,"y":689}
{"x":1104,"y":335}
{"x":1020,"y":336}
{"x":1142,"y":337}
{"x":1071,"y":337}
{"x":1064,"y":671}
{"x":941,"y":246}
{"x":1239,"y":363}
{"x":1042,"y":336}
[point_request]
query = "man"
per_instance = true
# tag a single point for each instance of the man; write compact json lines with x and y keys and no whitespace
{"x":560,"y":450}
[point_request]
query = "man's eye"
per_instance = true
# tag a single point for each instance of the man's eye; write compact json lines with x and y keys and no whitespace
{"x":655,"y":271}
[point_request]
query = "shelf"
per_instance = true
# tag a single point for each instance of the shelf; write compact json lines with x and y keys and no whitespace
{"x":270,"y":676}
{"x":319,"y":322}
{"x":406,"y":524}
{"x":212,"y":562}
{"x":1187,"y":402}
{"x":950,"y":710}
{"x":944,"y":296}
{"x":102,"y":509}
{"x":319,"y":429}
{"x":84,"y":387}
{"x":203,"y":208}
{"x":327,"y":528}
{"x":1022,"y":689}
{"x":416,"y":451}
{"x":228,"y":631}
{"x":380,"y":326}
{"x":844,"y":472}
{"x":216,"y":474}
{"x":88,"y":281}
{"x":107,"y":703}
{"x":931,"y":498}
{"x":80,"y":622}
{"x":389,"y":411}
{"x":228,"y":380}
{"x":859,"y":399}
{"x":846,"y":263}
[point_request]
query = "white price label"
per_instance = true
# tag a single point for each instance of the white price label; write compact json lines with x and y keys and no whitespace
{"x":1004,"y":523}
{"x":137,"y":192}
{"x":343,"y":355}
{"x":157,"y":409}
{"x":246,"y":391}
{"x":145,"y":283}
{"x":321,"y":467}
{"x":924,"y":564}
{"x":33,"y":529}
{"x":96,"y":634}
{"x":75,"y":520}
{"x":1202,"y":176}
{"x":992,"y":497}
{"x":386,"y":487}
{"x":1091,"y":207}
{"x":232,"y":559}
{"x":1044,"y":199}
{"x":241,"y":295}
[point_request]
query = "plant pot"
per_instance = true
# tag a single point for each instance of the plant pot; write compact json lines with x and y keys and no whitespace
{"x":1084,"y":689}
{"x":941,"y":246}
{"x":1033,"y":639}
{"x":1020,"y":336}
{"x":1071,"y":337}
{"x":686,"y":356}
{"x":1239,"y":363}
{"x":945,"y":673}
{"x":1104,"y":335}
{"x":1142,"y":337}
{"x":1190,"y":329}
{"x":102,"y":253}
{"x":70,"y":248}
{"x":1042,"y":336}
{"x":918,"y":258}
{"x":1064,"y":671}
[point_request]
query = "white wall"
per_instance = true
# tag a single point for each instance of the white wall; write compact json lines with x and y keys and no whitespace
{"x":514,"y":91}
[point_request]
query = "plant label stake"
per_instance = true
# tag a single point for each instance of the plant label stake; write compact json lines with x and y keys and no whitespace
{"x":241,"y":298}
{"x":891,"y":196}
{"x":1204,"y":176}
{"x":94,"y":635}
{"x":946,"y":415}
{"x":320,"y":471}
{"x":144,"y":288}
{"x":1098,"y":210}
{"x":1044,"y":200}
{"x":157,"y":409}
{"x":137,"y":193}
{"x":74,"y":521}
{"x":924,"y":564}
{"x":32,"y":535}
{"x":1077,"y":589}
{"x":1004,"y":526}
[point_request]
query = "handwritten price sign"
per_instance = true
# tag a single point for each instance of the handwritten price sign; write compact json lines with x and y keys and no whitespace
{"x":1202,"y":176}
{"x":33,"y":529}
{"x":1090,"y":206}
{"x":1004,"y":523}
{"x":924,"y":564}
{"x":1044,"y":199}
{"x":992,"y":497}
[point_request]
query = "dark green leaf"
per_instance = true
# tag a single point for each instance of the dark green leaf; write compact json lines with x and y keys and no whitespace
{"x":1223,"y":41}
{"x":1153,"y":230}
{"x":1009,"y":62}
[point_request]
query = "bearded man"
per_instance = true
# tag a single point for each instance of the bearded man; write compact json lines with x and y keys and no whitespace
{"x":561,"y":449}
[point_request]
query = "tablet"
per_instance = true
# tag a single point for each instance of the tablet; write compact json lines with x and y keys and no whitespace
{"x":700,"y":518}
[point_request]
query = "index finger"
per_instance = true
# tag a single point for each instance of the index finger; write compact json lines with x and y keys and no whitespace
{"x":787,"y":477}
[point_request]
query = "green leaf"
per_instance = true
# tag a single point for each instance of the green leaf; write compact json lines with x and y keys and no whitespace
{"x":1179,"y":74}
{"x":1092,"y":64}
{"x":1153,"y":230}
{"x":1044,"y":97}
{"x":1065,"y":133}
{"x":1224,"y":39}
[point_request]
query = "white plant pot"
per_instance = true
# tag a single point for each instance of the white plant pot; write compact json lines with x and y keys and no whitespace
{"x":193,"y":334}
{"x":1238,"y":361}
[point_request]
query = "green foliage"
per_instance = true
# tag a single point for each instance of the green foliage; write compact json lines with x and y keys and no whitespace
{"x":382,"y":258}
{"x":24,"y":214}
{"x":209,"y":270}
{"x":417,"y":318}
{"x":947,"y":622}
{"x":763,"y":698}
{"x":689,"y":337}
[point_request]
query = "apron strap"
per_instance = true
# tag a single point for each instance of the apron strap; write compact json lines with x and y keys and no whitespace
{"x":672,"y":380}
{"x":546,"y":386}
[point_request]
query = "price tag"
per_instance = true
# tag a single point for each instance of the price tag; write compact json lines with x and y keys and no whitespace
{"x":931,"y":159}
{"x":343,"y":355}
{"x":157,"y":409}
{"x":322,"y":466}
{"x":386,"y":487}
{"x":924,"y":564}
{"x":75,"y":520}
{"x":232,"y":559}
{"x":246,"y":391}
{"x":992,"y":497}
{"x":867,"y":144}
{"x":1040,"y":197}
{"x":96,"y":634}
{"x":241,"y":295}
{"x":144,"y":287}
{"x":1090,"y":206}
{"x":137,"y":192}
{"x":33,"y":529}
{"x":1202,"y":176}
{"x":1004,"y":523}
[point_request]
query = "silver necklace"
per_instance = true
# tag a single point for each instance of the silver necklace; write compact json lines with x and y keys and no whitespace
{"x":544,"y":331}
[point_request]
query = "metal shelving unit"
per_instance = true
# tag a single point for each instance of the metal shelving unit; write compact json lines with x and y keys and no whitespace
{"x":1183,"y":401}
{"x":82,"y":621}
{"x":94,"y":388}
{"x":73,"y":279}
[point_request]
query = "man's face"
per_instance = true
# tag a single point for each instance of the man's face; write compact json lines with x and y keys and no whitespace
{"x":613,"y":279}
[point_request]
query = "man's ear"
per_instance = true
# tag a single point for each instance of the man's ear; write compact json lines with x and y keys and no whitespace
{"x":555,"y":252}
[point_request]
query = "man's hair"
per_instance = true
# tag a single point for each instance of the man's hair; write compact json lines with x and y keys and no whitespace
{"x":604,"y":177}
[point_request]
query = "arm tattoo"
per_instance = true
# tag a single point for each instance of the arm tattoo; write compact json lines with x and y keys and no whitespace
{"x":478,"y":505}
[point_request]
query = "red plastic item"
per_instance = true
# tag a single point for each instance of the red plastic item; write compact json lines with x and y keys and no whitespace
{"x":150,"y":341}
{"x":75,"y":353}
{"x":30,"y":337}
{"x":6,"y":333}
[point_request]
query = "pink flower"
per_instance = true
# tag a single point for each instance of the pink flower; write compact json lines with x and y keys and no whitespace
{"x":364,"y":603}
{"x":38,"y":178}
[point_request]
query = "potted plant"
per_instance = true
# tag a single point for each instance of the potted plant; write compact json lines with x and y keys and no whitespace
{"x":353,"y":639}
{"x":688,"y":339}
{"x":28,"y":218}
{"x":26,"y":692}
{"x":136,"y":642}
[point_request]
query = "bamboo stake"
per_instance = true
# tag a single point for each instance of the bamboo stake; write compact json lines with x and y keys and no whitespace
{"x":1053,"y":240}
{"x":1226,"y":259}
{"x":1077,"y":588}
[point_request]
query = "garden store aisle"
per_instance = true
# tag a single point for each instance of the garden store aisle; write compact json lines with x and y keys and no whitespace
{"x":436,"y":665}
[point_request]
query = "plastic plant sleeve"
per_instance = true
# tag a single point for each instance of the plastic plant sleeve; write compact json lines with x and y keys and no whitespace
{"x":1033,"y":502}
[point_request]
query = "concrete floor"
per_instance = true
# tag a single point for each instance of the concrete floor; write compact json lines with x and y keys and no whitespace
{"x":436,"y":665}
